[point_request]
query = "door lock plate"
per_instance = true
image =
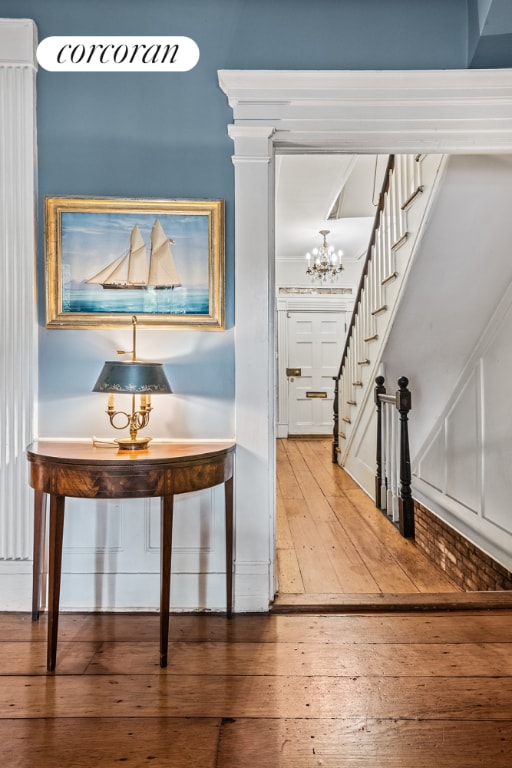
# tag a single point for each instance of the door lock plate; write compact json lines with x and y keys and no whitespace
{"x":293,"y":371}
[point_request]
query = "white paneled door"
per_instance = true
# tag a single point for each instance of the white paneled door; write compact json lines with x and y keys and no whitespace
{"x":315,"y":344}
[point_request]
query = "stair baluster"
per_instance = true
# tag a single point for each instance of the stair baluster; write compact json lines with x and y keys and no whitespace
{"x":392,"y":456}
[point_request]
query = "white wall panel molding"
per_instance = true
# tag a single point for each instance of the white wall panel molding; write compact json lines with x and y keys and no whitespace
{"x":462,"y":473}
{"x":361,"y":460}
{"x":141,"y":592}
{"x":18,"y":346}
{"x":102,"y":554}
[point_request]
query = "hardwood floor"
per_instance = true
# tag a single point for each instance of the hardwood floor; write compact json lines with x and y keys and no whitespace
{"x":350,"y":689}
{"x":416,"y":690}
{"x":333,"y":545}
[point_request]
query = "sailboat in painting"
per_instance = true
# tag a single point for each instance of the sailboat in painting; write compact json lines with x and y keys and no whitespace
{"x":133,"y":271}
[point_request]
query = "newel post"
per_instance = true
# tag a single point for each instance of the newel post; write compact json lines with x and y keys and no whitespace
{"x":380,"y":389}
{"x":335,"y":435}
{"x":405,"y":504}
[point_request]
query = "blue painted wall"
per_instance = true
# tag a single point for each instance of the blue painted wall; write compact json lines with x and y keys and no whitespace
{"x":164,"y":135}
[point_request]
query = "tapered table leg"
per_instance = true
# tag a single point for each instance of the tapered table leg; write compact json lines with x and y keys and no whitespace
{"x":54,"y":574}
{"x":39,"y":531}
{"x":228,"y":490}
{"x":167,"y":504}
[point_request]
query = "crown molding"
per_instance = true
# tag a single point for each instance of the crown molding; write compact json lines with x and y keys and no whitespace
{"x":440,"y":111}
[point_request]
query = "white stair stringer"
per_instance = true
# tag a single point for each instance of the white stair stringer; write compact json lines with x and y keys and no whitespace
{"x":382,"y":291}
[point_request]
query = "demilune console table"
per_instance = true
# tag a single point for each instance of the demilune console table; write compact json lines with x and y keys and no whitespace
{"x":81,"y":469}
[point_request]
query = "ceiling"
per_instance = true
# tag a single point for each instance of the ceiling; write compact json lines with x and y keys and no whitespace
{"x":307,"y":188}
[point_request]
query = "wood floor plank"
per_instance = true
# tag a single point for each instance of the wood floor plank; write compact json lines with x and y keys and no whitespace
{"x":290,"y":577}
{"x":17,"y":626}
{"x":256,"y":696}
{"x":321,"y":533}
{"x":307,"y":659}
{"x":281,"y":451}
{"x":424,"y":574}
{"x":311,"y":490}
{"x":30,"y":658}
{"x":284,"y":538}
{"x":365,"y":743}
{"x":288,"y":485}
{"x":313,"y":559}
{"x":352,"y":572}
{"x":322,"y":468}
{"x":432,"y":627}
{"x":323,"y":451}
{"x":385,"y":568}
{"x":93,"y":742}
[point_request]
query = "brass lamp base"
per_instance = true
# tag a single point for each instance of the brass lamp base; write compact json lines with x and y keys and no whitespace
{"x":135,"y":444}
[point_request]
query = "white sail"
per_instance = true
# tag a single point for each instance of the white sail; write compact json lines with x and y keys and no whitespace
{"x":137,"y":263}
{"x":120,"y":273}
{"x":132,"y":270}
{"x":105,"y":274}
{"x":162,"y":270}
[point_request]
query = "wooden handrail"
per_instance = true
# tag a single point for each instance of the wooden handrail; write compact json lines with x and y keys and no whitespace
{"x":376,"y":225}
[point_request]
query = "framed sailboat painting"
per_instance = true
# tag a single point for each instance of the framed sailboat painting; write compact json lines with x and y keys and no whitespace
{"x":108,"y":259}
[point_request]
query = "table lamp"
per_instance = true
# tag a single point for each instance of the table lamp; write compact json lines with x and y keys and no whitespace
{"x":135,"y":378}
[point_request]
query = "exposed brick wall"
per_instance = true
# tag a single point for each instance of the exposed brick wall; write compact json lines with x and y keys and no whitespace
{"x":463,"y":562}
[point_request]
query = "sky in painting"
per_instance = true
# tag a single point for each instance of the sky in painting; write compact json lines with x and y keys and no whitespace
{"x":90,"y":241}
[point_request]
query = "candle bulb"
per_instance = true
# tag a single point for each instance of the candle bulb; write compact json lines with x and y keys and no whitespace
{"x":111,"y":401}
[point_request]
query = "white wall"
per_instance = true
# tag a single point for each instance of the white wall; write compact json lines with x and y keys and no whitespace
{"x":458,"y":278}
{"x":452,"y":339}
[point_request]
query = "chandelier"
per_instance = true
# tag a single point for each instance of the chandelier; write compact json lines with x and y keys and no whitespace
{"x":324,"y":262}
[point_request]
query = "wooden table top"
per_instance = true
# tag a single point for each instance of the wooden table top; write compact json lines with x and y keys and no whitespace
{"x":84,"y":451}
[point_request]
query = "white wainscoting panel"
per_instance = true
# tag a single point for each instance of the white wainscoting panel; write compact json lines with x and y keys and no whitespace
{"x":463,"y":481}
{"x":111,"y":553}
{"x":464,"y":471}
{"x":433,"y":463}
{"x":93,"y":527}
{"x":361,"y":463}
{"x":497,"y":438}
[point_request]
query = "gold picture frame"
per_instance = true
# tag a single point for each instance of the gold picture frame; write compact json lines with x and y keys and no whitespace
{"x":107,"y":259}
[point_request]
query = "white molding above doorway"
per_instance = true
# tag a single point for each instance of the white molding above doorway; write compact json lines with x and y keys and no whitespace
{"x":451,"y":111}
{"x":445,"y":111}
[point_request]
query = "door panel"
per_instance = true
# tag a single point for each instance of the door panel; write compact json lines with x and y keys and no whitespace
{"x":315,"y":344}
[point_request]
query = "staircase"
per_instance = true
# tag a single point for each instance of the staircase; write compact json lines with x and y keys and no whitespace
{"x":445,"y":320}
{"x":408,"y":191}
